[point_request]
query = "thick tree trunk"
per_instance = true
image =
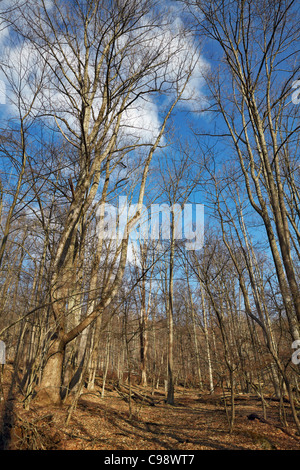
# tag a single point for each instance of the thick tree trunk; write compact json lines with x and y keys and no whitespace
{"x":49,"y":389}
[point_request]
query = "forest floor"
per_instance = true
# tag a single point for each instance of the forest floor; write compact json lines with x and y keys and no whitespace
{"x":196,"y":422}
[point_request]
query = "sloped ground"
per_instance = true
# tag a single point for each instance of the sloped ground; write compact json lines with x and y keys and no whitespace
{"x":194,"y":423}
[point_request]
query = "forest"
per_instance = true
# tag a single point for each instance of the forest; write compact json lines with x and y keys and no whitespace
{"x":149,"y":225}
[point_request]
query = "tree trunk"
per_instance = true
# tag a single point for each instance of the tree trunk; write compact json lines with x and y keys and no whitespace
{"x":210,"y":374}
{"x":143,"y":346}
{"x":170,"y":395}
{"x":195,"y":336}
{"x":49,"y":389}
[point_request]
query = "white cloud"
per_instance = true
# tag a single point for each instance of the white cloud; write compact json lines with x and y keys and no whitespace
{"x":141,"y":120}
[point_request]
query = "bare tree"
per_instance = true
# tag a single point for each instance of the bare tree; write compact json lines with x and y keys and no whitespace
{"x":255,"y":40}
{"x":102,"y":61}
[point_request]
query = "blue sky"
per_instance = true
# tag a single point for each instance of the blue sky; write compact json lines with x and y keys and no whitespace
{"x":146,"y":116}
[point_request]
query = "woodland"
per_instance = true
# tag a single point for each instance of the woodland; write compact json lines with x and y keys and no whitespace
{"x":118,"y":333}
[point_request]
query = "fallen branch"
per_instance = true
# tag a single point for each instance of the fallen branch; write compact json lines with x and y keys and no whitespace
{"x":134,"y":395}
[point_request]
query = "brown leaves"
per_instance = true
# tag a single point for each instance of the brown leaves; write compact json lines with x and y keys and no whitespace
{"x":194,"y":423}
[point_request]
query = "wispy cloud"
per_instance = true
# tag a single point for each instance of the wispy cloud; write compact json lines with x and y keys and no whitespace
{"x":141,"y":121}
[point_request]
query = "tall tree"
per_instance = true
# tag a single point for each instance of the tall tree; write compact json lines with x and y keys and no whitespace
{"x":102,"y":60}
{"x":257,"y":46}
